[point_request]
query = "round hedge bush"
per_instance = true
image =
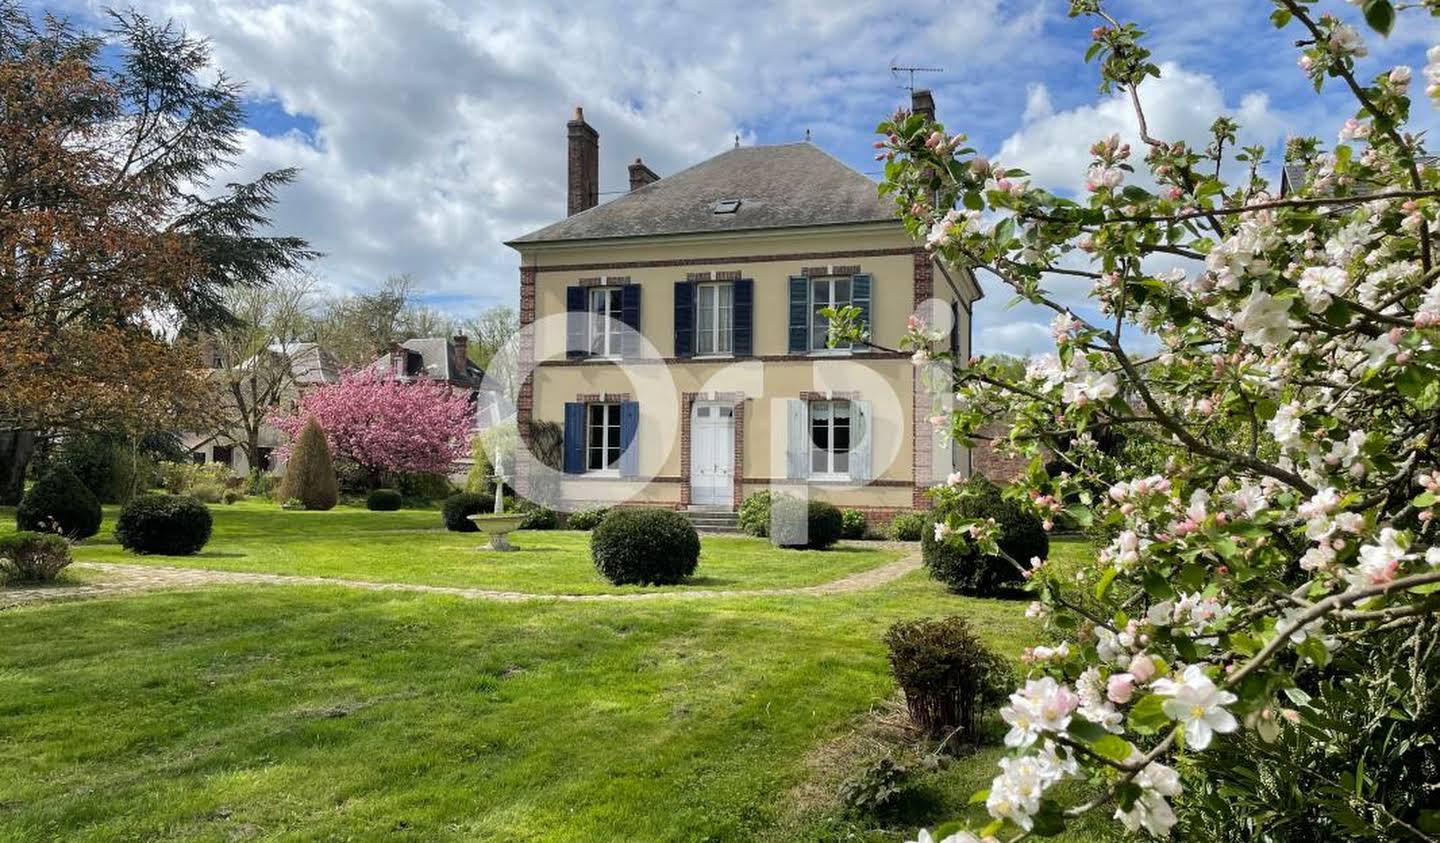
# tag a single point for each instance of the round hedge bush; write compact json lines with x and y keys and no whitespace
{"x":59,"y":503}
{"x":586,"y":519}
{"x":963,"y":570}
{"x":460,"y":505}
{"x":645,"y":547}
{"x":169,"y":525}
{"x":383,"y":500}
{"x":908,"y":527}
{"x":853,"y":524}
{"x":823,"y":523}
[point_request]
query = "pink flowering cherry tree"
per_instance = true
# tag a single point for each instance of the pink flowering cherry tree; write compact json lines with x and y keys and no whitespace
{"x":385,"y":425}
{"x":1253,"y":651}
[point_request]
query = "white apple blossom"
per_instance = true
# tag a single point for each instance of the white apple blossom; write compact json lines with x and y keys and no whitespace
{"x":1043,"y":705}
{"x":1151,"y":811}
{"x":1321,"y":284}
{"x":1265,"y":320}
{"x":1379,"y":561}
{"x":1195,"y":702}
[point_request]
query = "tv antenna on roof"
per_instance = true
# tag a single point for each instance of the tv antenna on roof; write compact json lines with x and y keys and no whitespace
{"x":895,"y":68}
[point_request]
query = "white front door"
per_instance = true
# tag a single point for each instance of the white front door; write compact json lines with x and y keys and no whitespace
{"x":712,"y":454}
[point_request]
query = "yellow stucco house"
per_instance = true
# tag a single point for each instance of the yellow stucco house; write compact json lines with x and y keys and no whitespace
{"x":675,"y":333}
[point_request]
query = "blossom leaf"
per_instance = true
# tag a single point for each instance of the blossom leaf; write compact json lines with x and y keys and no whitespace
{"x":1085,"y":730}
{"x":1049,"y":820}
{"x":979,"y":796}
{"x":1113,"y":747}
{"x":1106,"y":578}
{"x":1148,"y":716}
{"x":1380,"y":15}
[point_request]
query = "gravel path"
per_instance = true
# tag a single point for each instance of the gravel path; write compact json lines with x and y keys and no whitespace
{"x":120,"y":579}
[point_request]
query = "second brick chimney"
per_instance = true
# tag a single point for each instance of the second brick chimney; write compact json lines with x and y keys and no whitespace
{"x":583,"y":165}
{"x":922,"y":102}
{"x":459,"y":348}
{"x":641,"y":175}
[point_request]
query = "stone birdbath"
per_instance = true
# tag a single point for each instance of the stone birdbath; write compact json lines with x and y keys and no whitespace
{"x":498,"y":526}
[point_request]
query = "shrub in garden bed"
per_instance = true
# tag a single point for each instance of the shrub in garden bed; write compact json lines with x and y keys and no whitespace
{"x":207,"y":492}
{"x":949,"y":677}
{"x":853,"y":524}
{"x":383,"y":500}
{"x":907,"y":526}
{"x":169,"y":525}
{"x":458,"y":507}
{"x":962,"y":568}
{"x":59,"y":503}
{"x":27,"y":555}
{"x":822,"y":522}
{"x":645,"y":547}
{"x":586,"y":519}
{"x":232,"y":496}
{"x":309,"y":473}
{"x":754,"y":516}
{"x":537,"y":517}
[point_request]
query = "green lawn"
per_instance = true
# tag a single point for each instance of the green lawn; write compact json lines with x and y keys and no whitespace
{"x":412,"y":546}
{"x":315,"y":713}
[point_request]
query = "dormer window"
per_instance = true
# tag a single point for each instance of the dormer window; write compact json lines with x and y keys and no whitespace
{"x":725,"y":206}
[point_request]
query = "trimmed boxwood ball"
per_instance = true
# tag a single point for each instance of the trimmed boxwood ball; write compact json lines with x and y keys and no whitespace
{"x":853,"y":524}
{"x":383,"y":500}
{"x":168,"y":525}
{"x":645,"y":547}
{"x":59,"y":503}
{"x":1021,"y":535}
{"x":908,"y":527}
{"x":460,"y":505}
{"x":823,"y":521}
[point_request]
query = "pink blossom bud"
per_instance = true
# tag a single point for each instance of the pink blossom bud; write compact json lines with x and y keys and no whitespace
{"x":1047,"y":524}
{"x":1142,"y":667}
{"x":1120,"y":688}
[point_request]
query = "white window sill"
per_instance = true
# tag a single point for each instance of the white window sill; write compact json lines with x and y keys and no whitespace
{"x":704,"y":357}
{"x":830,"y":478}
{"x":603,"y":473}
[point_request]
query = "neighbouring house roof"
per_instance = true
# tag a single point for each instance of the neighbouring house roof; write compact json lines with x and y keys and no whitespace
{"x":434,"y":358}
{"x":309,"y":363}
{"x":750,"y":187}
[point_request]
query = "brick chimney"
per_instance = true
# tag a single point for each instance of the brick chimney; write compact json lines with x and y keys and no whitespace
{"x":459,"y":346}
{"x":584,"y":165}
{"x":922,"y":102}
{"x":641,"y":175}
{"x":397,"y":360}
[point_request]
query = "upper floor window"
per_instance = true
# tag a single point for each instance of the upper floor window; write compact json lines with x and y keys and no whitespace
{"x":605,"y":316}
{"x":829,"y":438}
{"x":714,"y":318}
{"x":825,"y":293}
{"x":602,"y":437}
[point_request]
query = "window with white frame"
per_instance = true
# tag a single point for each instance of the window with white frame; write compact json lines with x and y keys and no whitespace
{"x":602,"y":437}
{"x":605,"y":321}
{"x":825,"y":292}
{"x":830,"y":438}
{"x":714,"y":318}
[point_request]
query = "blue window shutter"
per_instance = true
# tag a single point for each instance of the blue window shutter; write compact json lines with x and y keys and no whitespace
{"x":797,"y":441}
{"x":860,"y":297}
{"x":629,"y":448}
{"x":577,"y":323}
{"x":630,"y":315}
{"x":799,"y":314}
{"x":743,"y":318}
{"x":574,"y":437}
{"x":861,"y":469}
{"x":684,"y":319}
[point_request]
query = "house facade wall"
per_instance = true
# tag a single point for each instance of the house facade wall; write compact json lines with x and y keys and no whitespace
{"x":759,"y":385}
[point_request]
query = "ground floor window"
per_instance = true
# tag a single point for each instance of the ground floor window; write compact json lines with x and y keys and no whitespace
{"x":829,"y":438}
{"x":223,"y":454}
{"x":602,"y":437}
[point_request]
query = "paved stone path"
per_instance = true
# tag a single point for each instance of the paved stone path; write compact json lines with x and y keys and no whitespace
{"x":121,"y":579}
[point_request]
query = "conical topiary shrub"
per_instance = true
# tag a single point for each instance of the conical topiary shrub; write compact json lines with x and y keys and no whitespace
{"x":309,"y":474}
{"x":59,"y":503}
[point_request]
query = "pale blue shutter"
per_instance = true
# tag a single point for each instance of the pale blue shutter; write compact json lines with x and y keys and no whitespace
{"x":629,"y":448}
{"x":860,"y":298}
{"x":797,"y":440}
{"x":861,"y":470}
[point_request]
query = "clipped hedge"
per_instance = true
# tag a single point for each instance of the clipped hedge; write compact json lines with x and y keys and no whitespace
{"x":964,"y":570}
{"x":168,"y":525}
{"x":537,"y":517}
{"x":645,"y":547}
{"x":384,"y":500}
{"x":459,"y":506}
{"x":37,"y":557}
{"x":822,"y":523}
{"x":586,"y":519}
{"x":309,"y":472}
{"x":59,"y":503}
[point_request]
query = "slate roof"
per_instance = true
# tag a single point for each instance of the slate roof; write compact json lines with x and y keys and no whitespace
{"x":783,"y":186}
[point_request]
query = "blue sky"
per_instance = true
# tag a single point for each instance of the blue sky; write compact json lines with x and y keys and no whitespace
{"x":429,"y":131}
